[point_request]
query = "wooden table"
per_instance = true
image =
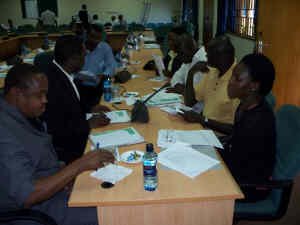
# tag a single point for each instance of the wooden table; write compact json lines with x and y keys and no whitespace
{"x":10,"y":47}
{"x":179,"y":200}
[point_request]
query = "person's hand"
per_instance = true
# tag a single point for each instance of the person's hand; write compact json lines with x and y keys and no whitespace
{"x":199,"y":67}
{"x":178,"y":89}
{"x":99,"y":120}
{"x":100,"y":108}
{"x":95,"y":159}
{"x":191,"y":116}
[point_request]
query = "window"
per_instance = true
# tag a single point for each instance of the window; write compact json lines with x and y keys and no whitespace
{"x":33,"y":8}
{"x":243,"y":17}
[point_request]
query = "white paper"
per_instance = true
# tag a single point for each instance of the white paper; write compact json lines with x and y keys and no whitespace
{"x":186,"y":160}
{"x":173,"y":109}
{"x":148,"y":38}
{"x":192,"y":137}
{"x":163,"y":98}
{"x":118,"y":116}
{"x":151,"y":46}
{"x":111,"y":173}
{"x":126,"y":136}
{"x":160,"y":66}
{"x":28,"y":60}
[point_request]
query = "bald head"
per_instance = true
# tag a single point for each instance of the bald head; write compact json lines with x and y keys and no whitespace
{"x":26,"y":88}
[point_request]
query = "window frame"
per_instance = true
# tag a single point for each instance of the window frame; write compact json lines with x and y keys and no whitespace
{"x":232,"y":20}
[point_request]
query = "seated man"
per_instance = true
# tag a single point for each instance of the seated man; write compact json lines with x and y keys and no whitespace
{"x":65,"y":112}
{"x":31,"y":176}
{"x":99,"y":59}
{"x":218,"y":111}
{"x":190,"y":56}
{"x":250,"y":151}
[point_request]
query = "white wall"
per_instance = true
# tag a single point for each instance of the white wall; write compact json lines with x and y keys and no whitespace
{"x":161,"y":10}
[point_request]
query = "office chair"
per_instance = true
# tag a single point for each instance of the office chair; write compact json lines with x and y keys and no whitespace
{"x":26,"y":215}
{"x":287,"y":166}
{"x":270,"y":98}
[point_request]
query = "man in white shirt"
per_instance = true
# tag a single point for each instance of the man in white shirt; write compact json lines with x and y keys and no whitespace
{"x":191,"y":55}
{"x":48,"y":18}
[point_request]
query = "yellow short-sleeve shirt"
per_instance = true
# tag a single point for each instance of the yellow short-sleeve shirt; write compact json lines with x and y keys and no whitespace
{"x":212,"y":90}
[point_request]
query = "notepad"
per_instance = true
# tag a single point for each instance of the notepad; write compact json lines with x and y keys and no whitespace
{"x":126,"y":136}
{"x":192,"y":137}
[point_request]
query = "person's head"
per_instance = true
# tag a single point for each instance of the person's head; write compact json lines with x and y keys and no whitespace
{"x":254,"y":75}
{"x":26,"y":88}
{"x":120,"y":17}
{"x":113,"y":18}
{"x":95,"y":17}
{"x":69,"y":52}
{"x":188,"y":48}
{"x":220,"y":52}
{"x":94,"y":36}
{"x":10,"y":22}
{"x":83,"y":6}
{"x":173,"y":38}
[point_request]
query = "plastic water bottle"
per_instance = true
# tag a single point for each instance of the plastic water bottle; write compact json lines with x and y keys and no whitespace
{"x":149,"y":167}
{"x":107,"y":89}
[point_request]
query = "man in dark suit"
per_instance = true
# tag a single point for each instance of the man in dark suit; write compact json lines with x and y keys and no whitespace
{"x":84,"y":17}
{"x":65,"y":113}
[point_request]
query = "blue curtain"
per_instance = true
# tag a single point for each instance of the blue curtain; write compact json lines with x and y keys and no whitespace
{"x":226,"y":16}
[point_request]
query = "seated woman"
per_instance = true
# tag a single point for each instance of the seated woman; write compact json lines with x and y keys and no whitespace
{"x":173,"y":60}
{"x":249,"y":152}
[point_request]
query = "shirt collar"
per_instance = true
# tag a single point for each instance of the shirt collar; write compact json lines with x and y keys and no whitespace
{"x":62,"y":69}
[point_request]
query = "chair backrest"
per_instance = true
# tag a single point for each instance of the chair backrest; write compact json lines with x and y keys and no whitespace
{"x":288,"y":146}
{"x":43,"y":60}
{"x":270,"y":98}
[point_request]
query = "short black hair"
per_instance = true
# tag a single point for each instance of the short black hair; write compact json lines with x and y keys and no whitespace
{"x":179,"y":30}
{"x":221,"y":45}
{"x":83,"y":6}
{"x":187,"y":42}
{"x":20,"y":76}
{"x":95,"y":16}
{"x":67,"y":46}
{"x":261,"y":70}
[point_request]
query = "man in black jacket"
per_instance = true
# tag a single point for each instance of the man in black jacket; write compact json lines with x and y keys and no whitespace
{"x":65,"y":113}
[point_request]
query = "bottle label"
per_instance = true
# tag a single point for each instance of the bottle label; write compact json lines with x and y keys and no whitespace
{"x":150,"y":171}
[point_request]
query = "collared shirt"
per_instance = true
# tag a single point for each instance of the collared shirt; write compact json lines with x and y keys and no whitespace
{"x":212,"y":90}
{"x":180,"y":75}
{"x":70,"y":78}
{"x":172,"y":55}
{"x":26,"y":155}
{"x":48,"y":17}
{"x":100,"y":61}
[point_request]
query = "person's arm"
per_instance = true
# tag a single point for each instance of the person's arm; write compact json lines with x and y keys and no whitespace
{"x":189,"y":91}
{"x":193,"y":117}
{"x":178,"y":89}
{"x":45,"y":188}
{"x":110,"y":63}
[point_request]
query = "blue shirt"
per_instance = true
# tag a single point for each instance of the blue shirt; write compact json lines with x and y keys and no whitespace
{"x":100,"y":61}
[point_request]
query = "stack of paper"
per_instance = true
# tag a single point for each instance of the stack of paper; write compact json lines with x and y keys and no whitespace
{"x":192,"y":137}
{"x":163,"y":98}
{"x":118,"y":116}
{"x":111,"y":173}
{"x":184,"y":159}
{"x":126,"y":136}
{"x":151,"y":46}
{"x":173,"y":109}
